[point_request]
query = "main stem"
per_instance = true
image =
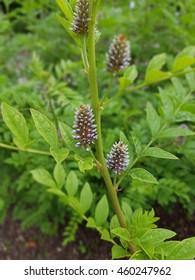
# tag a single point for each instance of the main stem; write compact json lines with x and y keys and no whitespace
{"x":95,"y":103}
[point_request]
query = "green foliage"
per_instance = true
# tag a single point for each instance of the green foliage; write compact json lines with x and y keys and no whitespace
{"x":16,"y":123}
{"x":71,"y":229}
{"x":153,"y":119}
{"x":59,"y":175}
{"x":151,"y":242}
{"x":71,"y":183}
{"x":142,"y":175}
{"x":45,"y":128}
{"x":42,"y":176}
{"x":149,"y":106}
{"x":158,"y":153}
{"x":101,"y":211}
{"x":59,"y":154}
{"x":86,"y":197}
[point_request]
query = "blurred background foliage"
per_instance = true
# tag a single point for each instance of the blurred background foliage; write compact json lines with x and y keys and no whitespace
{"x":40,"y":67}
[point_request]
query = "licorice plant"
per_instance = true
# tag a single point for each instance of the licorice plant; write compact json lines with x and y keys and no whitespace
{"x":133,"y":235}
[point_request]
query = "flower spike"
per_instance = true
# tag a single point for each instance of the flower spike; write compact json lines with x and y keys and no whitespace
{"x":118,"y":56}
{"x":118,"y":158}
{"x":85,"y":131}
{"x":81,"y":17}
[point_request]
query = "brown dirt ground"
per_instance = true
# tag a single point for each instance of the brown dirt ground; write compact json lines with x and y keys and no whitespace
{"x":31,"y":244}
{"x":18,"y":244}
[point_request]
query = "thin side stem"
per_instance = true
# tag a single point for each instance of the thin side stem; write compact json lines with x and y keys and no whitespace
{"x":24,"y":149}
{"x":145,"y":84}
{"x":84,"y":53}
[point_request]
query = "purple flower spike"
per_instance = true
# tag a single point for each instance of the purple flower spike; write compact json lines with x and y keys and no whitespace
{"x":81,"y":17}
{"x":118,"y":56}
{"x":85,"y":131}
{"x":118,"y":158}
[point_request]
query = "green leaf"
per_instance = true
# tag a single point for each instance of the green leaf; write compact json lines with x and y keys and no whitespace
{"x":153,"y":119}
{"x":182,"y":62}
{"x":72,"y":183}
{"x":45,"y":128}
{"x":127,"y":210}
{"x":158,"y":153}
{"x":179,"y":88}
{"x":118,"y":252}
{"x":16,"y":123}
{"x":106,"y":236}
{"x":142,"y":175}
{"x":166,"y":248}
{"x":136,"y":143}
{"x":75,"y":204}
{"x":156,"y":76}
{"x":183,"y":116}
{"x":2,"y":204}
{"x":59,"y":175}
{"x":66,"y":132}
{"x":86,"y":197}
{"x":157,"y":235}
{"x":131,"y":73}
{"x":184,"y":59}
{"x":66,"y":9}
{"x":168,"y":107}
{"x":91,"y":223}
{"x":142,"y":220}
{"x":157,"y":62}
{"x":175,"y":132}
{"x":84,"y":163}
{"x":190,"y":77}
{"x":114,"y":223}
{"x":101,"y":211}
{"x":139,"y":255}
{"x":185,"y":250}
{"x":59,"y":154}
{"x":189,"y":107}
{"x":123,"y":138}
{"x":124,"y":83}
{"x":188,"y":51}
{"x":148,"y":248}
{"x":122,"y":233}
{"x":67,"y":26}
{"x":43,"y":177}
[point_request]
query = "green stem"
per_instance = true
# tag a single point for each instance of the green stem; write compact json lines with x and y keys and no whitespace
{"x":92,"y":155}
{"x":24,"y":149}
{"x":84,"y":53}
{"x":95,"y":103}
{"x":97,"y":112}
{"x":145,"y":84}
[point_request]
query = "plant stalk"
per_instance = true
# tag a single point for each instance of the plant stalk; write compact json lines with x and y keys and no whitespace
{"x":95,"y":103}
{"x":24,"y":149}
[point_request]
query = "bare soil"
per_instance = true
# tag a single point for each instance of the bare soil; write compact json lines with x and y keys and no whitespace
{"x":18,"y":244}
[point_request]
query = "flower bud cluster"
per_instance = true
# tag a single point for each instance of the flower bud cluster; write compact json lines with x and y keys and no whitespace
{"x":81,"y":17}
{"x":118,"y":56}
{"x":118,"y":158}
{"x":84,"y":128}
